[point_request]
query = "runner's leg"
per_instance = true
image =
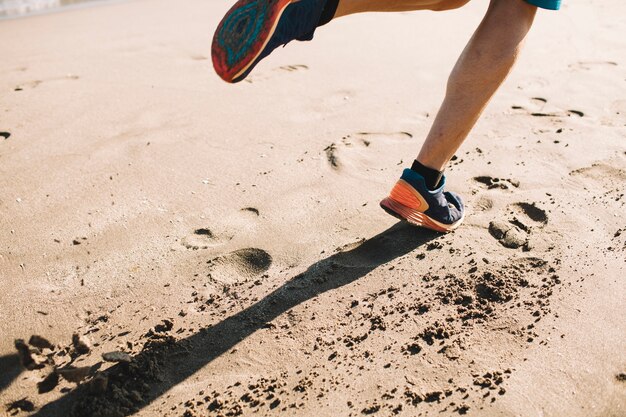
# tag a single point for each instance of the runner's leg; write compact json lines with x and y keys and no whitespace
{"x":481,"y":68}
{"x":479,"y":71}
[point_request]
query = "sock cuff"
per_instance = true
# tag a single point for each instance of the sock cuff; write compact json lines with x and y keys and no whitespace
{"x":432,"y":177}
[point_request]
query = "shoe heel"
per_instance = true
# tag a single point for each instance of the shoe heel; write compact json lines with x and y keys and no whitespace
{"x":415,"y":217}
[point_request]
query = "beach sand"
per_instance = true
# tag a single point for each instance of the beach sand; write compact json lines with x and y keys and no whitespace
{"x":228,"y":237}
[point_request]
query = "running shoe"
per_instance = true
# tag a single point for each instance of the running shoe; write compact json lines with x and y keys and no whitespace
{"x":412,"y":201}
{"x":252,"y":29}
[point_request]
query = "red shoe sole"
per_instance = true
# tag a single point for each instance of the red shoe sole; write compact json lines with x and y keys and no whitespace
{"x":243,"y":34}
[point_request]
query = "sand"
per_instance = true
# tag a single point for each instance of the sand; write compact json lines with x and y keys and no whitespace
{"x":223,"y":248}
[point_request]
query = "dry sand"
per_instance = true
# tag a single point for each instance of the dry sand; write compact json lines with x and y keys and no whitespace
{"x":228,"y":239}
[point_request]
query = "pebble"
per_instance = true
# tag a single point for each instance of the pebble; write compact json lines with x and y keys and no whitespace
{"x":81,"y":344}
{"x":117,"y":357}
{"x":75,"y":375}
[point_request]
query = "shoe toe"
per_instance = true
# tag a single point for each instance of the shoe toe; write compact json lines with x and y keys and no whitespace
{"x":455,"y":205}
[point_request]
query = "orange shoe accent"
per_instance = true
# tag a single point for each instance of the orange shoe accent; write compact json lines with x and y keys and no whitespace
{"x":416,"y":217}
{"x":406,"y":195}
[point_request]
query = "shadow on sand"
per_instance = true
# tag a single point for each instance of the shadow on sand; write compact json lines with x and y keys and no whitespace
{"x":10,"y":369}
{"x":327,"y":274}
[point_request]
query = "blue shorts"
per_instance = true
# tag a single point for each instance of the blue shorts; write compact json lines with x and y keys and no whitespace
{"x":546,"y":4}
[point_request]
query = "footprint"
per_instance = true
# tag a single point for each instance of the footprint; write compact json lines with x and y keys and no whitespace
{"x":538,"y":107}
{"x":251,"y":210}
{"x":536,"y":104}
{"x":285,"y":68}
{"x":515,"y":232}
{"x":239,"y":266}
{"x":200,"y":239}
{"x":575,"y":112}
{"x":589,"y":65}
{"x":533,"y":212}
{"x":604,"y":182}
{"x":356,"y":146}
{"x":508,"y":234}
{"x":366,"y":138}
{"x":36,"y":83}
{"x":331,"y":156}
{"x":245,"y":220}
{"x":491,"y":182}
{"x":483,"y":204}
{"x":601,"y":172}
{"x":292,"y":68}
{"x":567,"y":113}
{"x":5,"y":135}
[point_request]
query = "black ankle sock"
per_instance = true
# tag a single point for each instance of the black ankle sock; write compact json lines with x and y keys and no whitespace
{"x":329,"y":12}
{"x":432,"y":176}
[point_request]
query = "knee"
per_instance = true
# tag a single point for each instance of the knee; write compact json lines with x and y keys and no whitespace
{"x":442,"y":5}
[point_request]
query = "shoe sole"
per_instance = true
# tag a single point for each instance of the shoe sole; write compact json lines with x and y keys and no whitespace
{"x":417,"y":218}
{"x":243,"y":34}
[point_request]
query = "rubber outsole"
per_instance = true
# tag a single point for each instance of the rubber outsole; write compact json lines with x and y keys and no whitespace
{"x":417,"y":218}
{"x":243,"y":34}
